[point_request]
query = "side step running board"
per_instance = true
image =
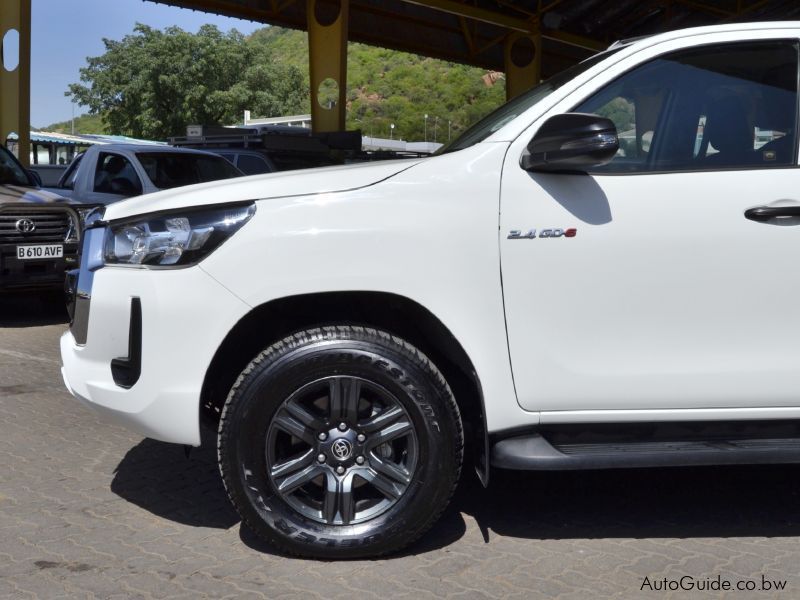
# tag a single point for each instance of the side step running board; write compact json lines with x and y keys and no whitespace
{"x":535,"y":453}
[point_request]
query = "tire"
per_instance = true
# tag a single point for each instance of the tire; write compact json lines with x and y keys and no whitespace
{"x":340,"y":442}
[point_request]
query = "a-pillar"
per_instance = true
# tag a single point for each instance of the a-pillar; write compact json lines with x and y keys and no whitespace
{"x":15,"y":75}
{"x":327,"y":52}
{"x":523,"y":63}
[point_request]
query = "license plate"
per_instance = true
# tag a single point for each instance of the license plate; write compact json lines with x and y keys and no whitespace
{"x":33,"y":252}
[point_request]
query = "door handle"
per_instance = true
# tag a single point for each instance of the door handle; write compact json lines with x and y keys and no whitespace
{"x":766,"y":213}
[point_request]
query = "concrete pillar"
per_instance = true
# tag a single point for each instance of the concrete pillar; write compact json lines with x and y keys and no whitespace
{"x":327,"y":40}
{"x":15,"y":85}
{"x":523,"y":63}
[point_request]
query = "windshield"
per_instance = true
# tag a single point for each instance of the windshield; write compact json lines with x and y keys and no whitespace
{"x":173,"y":169}
{"x":11,"y":172}
{"x":509,"y":111}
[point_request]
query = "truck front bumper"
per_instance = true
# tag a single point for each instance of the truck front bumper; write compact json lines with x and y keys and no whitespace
{"x":185,"y":315}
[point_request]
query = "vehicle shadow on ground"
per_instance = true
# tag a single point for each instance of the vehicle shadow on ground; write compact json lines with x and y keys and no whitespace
{"x":736,"y":501}
{"x":31,"y":310}
{"x":730,"y":501}
{"x":160,"y":479}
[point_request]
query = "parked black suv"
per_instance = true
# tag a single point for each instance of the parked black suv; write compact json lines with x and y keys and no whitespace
{"x":39,"y":232}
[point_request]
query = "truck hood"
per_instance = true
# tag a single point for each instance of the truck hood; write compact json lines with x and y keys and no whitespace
{"x":17,"y":194}
{"x":261,"y":187}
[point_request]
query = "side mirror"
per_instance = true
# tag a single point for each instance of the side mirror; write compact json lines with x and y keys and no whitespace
{"x":571,"y":142}
{"x":37,"y":179}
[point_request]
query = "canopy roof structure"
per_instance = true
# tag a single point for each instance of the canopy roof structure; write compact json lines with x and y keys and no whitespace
{"x":528,"y":40}
{"x":474,"y":31}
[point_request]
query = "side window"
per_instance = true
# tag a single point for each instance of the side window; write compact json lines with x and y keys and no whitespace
{"x":253,"y":165}
{"x":116,"y":175}
{"x":716,"y":107}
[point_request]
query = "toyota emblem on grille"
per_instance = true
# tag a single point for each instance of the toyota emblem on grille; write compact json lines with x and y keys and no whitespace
{"x":25,"y":225}
{"x":342,"y":449}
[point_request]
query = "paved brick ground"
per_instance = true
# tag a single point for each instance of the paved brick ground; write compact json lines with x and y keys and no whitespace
{"x":88,"y":510}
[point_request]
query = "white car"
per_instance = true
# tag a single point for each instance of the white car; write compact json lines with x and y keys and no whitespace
{"x":537,"y":293}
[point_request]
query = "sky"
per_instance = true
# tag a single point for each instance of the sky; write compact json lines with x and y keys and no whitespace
{"x":65,"y":32}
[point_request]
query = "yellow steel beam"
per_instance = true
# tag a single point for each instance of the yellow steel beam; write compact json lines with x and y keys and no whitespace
{"x":522,"y":76}
{"x":327,"y":55}
{"x":467,"y":35}
{"x":493,"y":42}
{"x":398,"y":18}
{"x":575,"y":40}
{"x":284,"y":5}
{"x":531,"y":13}
{"x":478,"y":14}
{"x":15,"y":85}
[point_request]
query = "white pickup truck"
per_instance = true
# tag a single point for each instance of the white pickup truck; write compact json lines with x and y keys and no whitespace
{"x":600,"y":274}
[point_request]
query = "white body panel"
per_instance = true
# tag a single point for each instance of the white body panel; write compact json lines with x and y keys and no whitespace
{"x":428,"y":234}
{"x":178,"y":342}
{"x":678,"y":328}
{"x":665,"y":297}
{"x":273,"y":185}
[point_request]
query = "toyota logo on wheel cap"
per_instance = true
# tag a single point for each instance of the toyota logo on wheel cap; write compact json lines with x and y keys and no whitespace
{"x":25,"y":226}
{"x":342,"y":449}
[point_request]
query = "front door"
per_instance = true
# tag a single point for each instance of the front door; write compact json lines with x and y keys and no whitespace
{"x":666,"y":295}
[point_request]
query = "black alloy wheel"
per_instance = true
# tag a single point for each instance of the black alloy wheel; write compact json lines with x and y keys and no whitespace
{"x":342,"y":450}
{"x":340,"y":442}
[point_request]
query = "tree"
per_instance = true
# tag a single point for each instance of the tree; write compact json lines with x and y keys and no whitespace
{"x":154,"y":83}
{"x":386,"y":86}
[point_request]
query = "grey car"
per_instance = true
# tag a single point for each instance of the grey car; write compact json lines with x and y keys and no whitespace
{"x":110,"y":172}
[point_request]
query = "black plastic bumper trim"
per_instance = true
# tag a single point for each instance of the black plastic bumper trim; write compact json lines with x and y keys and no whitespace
{"x":126,"y":370}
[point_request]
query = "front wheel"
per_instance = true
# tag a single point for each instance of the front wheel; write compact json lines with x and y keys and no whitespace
{"x":340,"y":442}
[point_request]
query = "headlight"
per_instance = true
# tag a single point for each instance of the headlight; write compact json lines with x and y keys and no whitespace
{"x":174,"y":238}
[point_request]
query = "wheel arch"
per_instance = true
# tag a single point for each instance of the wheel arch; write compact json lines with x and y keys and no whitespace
{"x":399,"y":315}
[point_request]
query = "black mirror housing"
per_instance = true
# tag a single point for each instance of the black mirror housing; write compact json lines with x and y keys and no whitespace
{"x":571,"y":142}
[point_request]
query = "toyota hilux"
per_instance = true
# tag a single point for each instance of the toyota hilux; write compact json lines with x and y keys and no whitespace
{"x":600,"y":274}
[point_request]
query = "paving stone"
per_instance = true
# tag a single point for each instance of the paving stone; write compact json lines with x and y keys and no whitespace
{"x":90,"y":510}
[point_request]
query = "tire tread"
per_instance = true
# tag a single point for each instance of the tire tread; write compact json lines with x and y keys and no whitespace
{"x":339,"y":332}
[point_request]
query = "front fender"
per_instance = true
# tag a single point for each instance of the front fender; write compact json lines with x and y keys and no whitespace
{"x":429,"y":234}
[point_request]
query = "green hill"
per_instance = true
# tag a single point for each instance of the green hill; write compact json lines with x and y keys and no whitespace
{"x":83,"y":124}
{"x":386,"y":86}
{"x":383,"y":87}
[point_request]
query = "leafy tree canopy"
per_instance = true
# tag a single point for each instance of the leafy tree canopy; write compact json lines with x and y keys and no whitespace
{"x":153,"y":83}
